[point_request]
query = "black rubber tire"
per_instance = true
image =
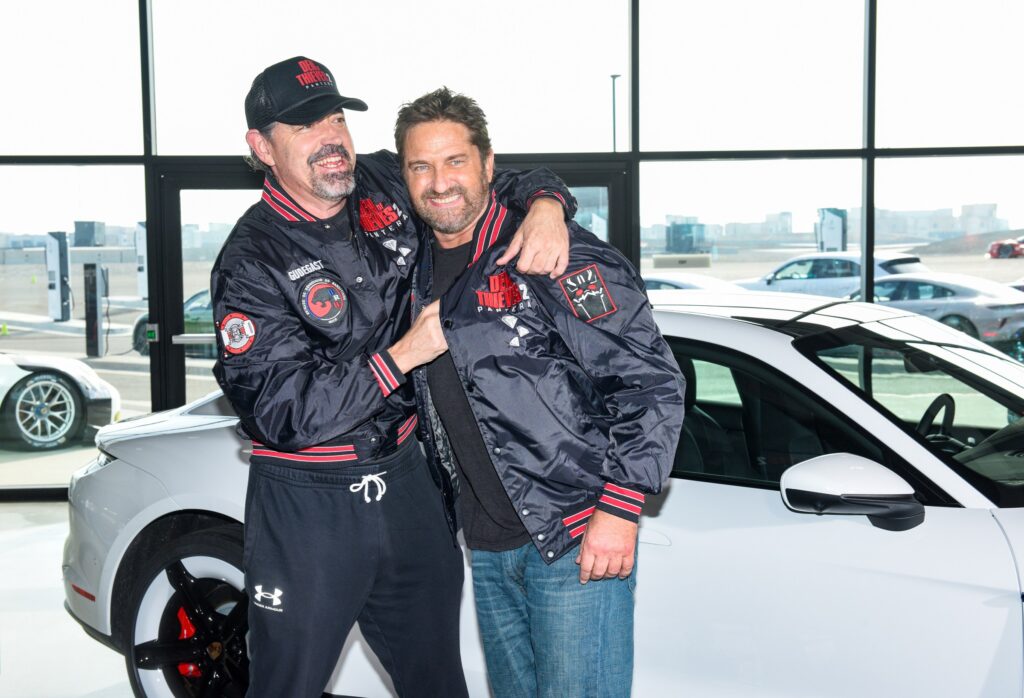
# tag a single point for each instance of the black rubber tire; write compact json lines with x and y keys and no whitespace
{"x":230,"y":662}
{"x":66,"y":396}
{"x":959,"y":322}
{"x":139,"y":342}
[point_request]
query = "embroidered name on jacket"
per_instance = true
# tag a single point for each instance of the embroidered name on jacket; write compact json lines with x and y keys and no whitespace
{"x":378,"y":219}
{"x":298,"y":273}
{"x":502,"y":294}
{"x":587,"y":293}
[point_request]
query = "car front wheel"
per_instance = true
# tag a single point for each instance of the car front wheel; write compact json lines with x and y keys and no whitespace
{"x":43,"y":411}
{"x":958,"y":322}
{"x":190,"y":619}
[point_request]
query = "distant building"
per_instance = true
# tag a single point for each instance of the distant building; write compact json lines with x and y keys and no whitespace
{"x":90,"y":234}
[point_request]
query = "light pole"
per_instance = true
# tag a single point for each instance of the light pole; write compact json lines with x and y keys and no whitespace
{"x":614,"y":149}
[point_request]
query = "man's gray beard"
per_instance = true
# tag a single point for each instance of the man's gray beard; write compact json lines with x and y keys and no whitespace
{"x":335,"y":187}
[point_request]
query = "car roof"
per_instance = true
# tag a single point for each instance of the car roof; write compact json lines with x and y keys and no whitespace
{"x":880,"y":256}
{"x":975,"y":283}
{"x":798,"y":314}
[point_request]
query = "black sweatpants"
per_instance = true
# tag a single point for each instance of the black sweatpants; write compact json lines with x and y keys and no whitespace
{"x":319,"y":557}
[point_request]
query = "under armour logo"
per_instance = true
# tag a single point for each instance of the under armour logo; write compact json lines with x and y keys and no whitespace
{"x":274,"y":598}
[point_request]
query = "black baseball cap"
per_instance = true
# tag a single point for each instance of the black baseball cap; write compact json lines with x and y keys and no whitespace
{"x":295,"y":91}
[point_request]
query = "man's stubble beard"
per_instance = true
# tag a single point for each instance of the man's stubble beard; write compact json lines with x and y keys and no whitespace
{"x":452,"y":222}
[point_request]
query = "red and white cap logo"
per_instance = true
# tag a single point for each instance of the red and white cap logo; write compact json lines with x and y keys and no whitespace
{"x":238,"y":333}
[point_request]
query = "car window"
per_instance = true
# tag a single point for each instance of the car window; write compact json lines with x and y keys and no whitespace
{"x":830,"y":268}
{"x":885,"y":291}
{"x":931,"y":292}
{"x":748,"y":425}
{"x":652,"y":285}
{"x":965,"y":404}
{"x":795,"y":270}
{"x":200,"y":301}
{"x":715,"y":384}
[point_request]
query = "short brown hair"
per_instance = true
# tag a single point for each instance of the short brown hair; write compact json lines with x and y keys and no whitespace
{"x":444,"y":105}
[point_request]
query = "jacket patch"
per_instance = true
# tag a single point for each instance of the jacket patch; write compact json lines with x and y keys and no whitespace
{"x":323,"y":301}
{"x":587,"y":293}
{"x":502,"y":293}
{"x":237,"y":332}
{"x":377,"y":219}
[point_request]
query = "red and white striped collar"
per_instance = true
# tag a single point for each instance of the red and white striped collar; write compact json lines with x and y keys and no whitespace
{"x":488,"y":228}
{"x":283,"y":205}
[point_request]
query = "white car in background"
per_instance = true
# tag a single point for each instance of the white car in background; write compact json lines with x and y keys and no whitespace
{"x":668,"y":279}
{"x":830,"y":273}
{"x":986,"y":310}
{"x":845,"y":519}
{"x":50,"y":402}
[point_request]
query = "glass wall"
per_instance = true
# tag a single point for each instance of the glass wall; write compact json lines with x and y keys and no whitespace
{"x":71,"y":78}
{"x":541,"y":70}
{"x":742,"y":74}
{"x":71,"y":295}
{"x":749,"y":153}
{"x":745,"y":221}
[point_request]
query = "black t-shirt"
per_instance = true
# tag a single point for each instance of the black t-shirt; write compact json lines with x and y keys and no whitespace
{"x":489,"y":521}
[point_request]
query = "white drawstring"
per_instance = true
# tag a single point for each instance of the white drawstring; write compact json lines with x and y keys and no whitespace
{"x":364,"y":485}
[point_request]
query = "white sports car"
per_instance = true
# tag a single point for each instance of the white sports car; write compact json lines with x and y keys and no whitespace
{"x":49,"y":402}
{"x":844,"y":519}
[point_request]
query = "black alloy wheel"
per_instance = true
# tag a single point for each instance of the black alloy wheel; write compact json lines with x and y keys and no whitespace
{"x":199,"y":619}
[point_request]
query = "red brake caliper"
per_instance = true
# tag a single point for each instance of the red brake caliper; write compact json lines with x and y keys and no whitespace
{"x":187,"y":631}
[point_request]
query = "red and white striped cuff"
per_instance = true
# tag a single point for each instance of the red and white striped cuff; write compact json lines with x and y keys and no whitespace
{"x":386,"y":372}
{"x":549,"y":194}
{"x":624,"y":503}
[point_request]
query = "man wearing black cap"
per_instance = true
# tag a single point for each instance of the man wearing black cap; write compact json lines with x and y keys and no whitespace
{"x":345,"y":521}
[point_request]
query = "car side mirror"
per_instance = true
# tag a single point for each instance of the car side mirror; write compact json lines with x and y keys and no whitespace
{"x":769,"y":278}
{"x":846,"y":484}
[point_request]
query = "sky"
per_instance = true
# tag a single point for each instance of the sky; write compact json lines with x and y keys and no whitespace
{"x":714,"y":75}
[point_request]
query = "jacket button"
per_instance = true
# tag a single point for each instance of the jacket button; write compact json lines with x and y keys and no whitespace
{"x":551,"y":553}
{"x":359,"y":279}
{"x":525,"y":512}
{"x":540,"y":536}
{"x":497,"y":451}
{"x":447,"y":324}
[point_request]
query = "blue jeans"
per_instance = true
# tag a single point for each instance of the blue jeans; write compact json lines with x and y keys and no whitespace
{"x":546,"y":635}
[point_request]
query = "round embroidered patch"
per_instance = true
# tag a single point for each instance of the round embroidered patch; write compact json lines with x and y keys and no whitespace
{"x":323,"y":301}
{"x":238,"y":333}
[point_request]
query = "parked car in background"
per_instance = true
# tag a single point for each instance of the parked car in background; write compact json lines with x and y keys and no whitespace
{"x":1006,"y":249}
{"x":1017,"y":284}
{"x":662,"y":280}
{"x":830,"y":273}
{"x":986,"y":310}
{"x":844,"y":514}
{"x":50,"y":402}
{"x":198,"y":320}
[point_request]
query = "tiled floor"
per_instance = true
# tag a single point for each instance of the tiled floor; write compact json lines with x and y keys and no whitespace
{"x":44,"y":653}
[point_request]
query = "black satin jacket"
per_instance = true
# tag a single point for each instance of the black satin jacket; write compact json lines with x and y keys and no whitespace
{"x":576,"y":393}
{"x":304,"y":314}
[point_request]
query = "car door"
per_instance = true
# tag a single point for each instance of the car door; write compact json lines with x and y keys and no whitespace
{"x":791,"y":277}
{"x":831,"y":276}
{"x":739,"y":596}
{"x":921,"y":298}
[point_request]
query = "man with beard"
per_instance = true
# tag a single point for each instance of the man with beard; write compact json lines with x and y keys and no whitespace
{"x":344,"y":519}
{"x":561,"y":407}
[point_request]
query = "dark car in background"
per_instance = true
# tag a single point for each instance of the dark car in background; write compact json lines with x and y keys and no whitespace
{"x":198,"y":311}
